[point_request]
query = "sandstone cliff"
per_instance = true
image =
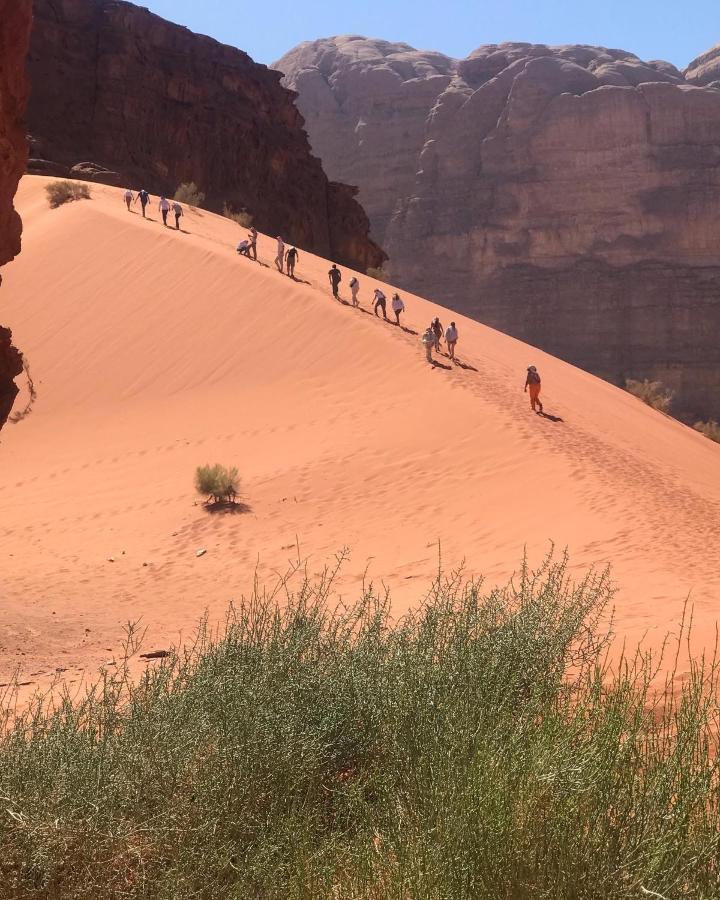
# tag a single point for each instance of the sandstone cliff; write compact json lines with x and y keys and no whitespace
{"x":705,"y":70}
{"x":566,"y":195}
{"x":14,"y":29}
{"x":133,"y":99}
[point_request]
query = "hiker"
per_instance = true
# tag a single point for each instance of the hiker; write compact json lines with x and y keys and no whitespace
{"x":437,"y":331}
{"x":451,"y":336}
{"x":428,"y":340}
{"x":335,"y":279}
{"x":128,"y":198}
{"x":243,"y":248}
{"x":280,"y":258}
{"x":354,"y":288}
{"x":144,"y":199}
{"x":397,"y":307}
{"x":291,"y":257}
{"x":164,"y":207}
{"x":178,"y":210}
{"x":252,"y":237}
{"x":533,"y":382}
{"x":380,"y":299}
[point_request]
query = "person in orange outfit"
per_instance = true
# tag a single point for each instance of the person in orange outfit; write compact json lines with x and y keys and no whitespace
{"x":533,"y":382}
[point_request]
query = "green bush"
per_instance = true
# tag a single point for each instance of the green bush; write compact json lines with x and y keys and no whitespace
{"x":60,"y":192}
{"x":243,"y":218}
{"x":189,"y":194}
{"x":651,"y":392}
{"x":217,"y":483}
{"x":710,"y":429}
{"x":479,"y":747}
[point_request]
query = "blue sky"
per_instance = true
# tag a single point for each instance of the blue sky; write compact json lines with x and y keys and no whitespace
{"x":653,"y":29}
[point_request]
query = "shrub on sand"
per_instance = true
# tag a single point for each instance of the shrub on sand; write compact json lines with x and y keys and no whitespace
{"x":217,"y":483}
{"x":243,"y":218}
{"x":60,"y":192}
{"x":651,"y":392}
{"x":189,"y":194}
{"x":478,"y":747}
{"x":710,"y":429}
{"x":377,"y":274}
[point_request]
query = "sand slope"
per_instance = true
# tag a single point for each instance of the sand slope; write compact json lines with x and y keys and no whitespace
{"x":154,"y":352}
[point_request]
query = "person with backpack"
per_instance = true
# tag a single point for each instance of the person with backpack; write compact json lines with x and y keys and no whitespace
{"x":291,"y":257}
{"x":144,"y":199}
{"x":428,"y":340}
{"x":280,"y":258}
{"x":532,"y":383}
{"x":164,"y":207}
{"x":178,"y":210}
{"x":437,"y":331}
{"x":451,"y":336}
{"x":380,"y":299}
{"x":354,"y":289}
{"x":335,"y":279}
{"x":397,"y":307}
{"x":128,"y":198}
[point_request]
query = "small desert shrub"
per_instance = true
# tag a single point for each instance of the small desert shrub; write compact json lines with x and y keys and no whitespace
{"x":60,"y":192}
{"x":376,"y":273}
{"x":217,"y":483}
{"x":188,"y":193}
{"x":651,"y":392}
{"x":710,"y":429}
{"x":243,"y":218}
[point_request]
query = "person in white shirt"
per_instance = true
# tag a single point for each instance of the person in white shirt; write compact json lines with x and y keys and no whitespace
{"x":280,"y":258}
{"x":178,"y":210}
{"x":451,"y":336}
{"x":128,"y":198}
{"x":380,"y":299}
{"x":428,"y":340}
{"x":164,"y":207}
{"x":397,"y":307}
{"x":354,"y":288}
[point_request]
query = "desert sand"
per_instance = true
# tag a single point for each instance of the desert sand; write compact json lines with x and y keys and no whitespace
{"x":155,"y":351}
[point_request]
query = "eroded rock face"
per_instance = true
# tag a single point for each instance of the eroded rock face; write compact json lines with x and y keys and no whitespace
{"x":14,"y":29}
{"x":705,"y":70}
{"x":119,"y":90}
{"x":566,"y":195}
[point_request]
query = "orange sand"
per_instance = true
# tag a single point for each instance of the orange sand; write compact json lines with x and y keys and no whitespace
{"x":154,"y":352}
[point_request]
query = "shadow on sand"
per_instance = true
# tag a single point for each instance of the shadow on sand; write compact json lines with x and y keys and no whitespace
{"x":228,"y":508}
{"x":549,"y":417}
{"x":436,"y":364}
{"x":466,"y":366}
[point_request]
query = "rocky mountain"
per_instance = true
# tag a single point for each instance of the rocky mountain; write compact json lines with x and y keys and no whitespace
{"x":705,"y":70}
{"x":566,"y":195}
{"x":14,"y":30}
{"x":122,"y":96}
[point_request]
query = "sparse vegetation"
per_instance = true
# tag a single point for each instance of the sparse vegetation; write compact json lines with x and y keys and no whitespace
{"x":217,"y":483}
{"x":710,"y":429}
{"x":476,"y":748}
{"x":243,"y":218}
{"x":189,"y":194}
{"x":653,"y":393}
{"x":378,"y":274}
{"x":61,"y":192}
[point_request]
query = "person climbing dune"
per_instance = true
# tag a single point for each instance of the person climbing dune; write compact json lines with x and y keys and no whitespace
{"x":291,"y":257}
{"x":164,"y":208}
{"x":380,"y":300}
{"x":532,"y":383}
{"x":354,"y":290}
{"x":397,"y":307}
{"x":428,"y":340}
{"x":178,"y":211}
{"x":437,"y":331}
{"x":128,"y":198}
{"x":144,"y":199}
{"x":280,"y":258}
{"x":335,"y":279}
{"x":451,"y":337}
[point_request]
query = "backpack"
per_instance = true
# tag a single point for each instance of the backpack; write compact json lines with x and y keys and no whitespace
{"x":144,"y":196}
{"x":353,"y":281}
{"x":533,"y":378}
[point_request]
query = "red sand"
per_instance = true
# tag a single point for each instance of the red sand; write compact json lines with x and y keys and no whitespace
{"x":154,"y":352}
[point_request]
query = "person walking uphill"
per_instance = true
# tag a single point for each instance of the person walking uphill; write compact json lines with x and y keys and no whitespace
{"x":252,"y":236}
{"x":164,"y":207}
{"x":291,"y":257}
{"x":451,"y":336}
{"x":335,"y":279}
{"x":437,"y":331}
{"x":397,"y":307}
{"x":128,"y":197}
{"x":354,"y":290}
{"x":532,"y":383}
{"x":428,"y":340}
{"x":178,"y":210}
{"x":144,"y":199}
{"x":380,"y":300}
{"x":279,"y":259}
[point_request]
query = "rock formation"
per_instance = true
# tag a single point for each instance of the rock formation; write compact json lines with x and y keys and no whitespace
{"x":14,"y":30}
{"x":132,"y":99}
{"x":705,"y":70}
{"x":566,"y":195}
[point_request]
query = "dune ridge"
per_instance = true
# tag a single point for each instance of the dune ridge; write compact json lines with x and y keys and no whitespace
{"x":155,"y":351}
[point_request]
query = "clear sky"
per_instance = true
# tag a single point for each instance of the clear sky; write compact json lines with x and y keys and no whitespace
{"x":653,"y":29}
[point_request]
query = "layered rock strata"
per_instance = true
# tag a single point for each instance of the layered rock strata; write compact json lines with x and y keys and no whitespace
{"x":15,"y":18}
{"x":566,"y":195}
{"x":132,"y":99}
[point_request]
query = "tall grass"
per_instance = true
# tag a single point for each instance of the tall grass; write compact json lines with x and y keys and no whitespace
{"x":61,"y":192}
{"x":653,"y":393}
{"x":477,"y":748}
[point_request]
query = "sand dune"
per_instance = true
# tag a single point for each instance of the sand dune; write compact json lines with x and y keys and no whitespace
{"x":155,"y":351}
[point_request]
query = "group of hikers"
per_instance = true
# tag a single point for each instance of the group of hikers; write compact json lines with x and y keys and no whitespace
{"x":165,"y":206}
{"x":286,"y":259}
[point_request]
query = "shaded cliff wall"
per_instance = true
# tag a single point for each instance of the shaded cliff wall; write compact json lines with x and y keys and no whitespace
{"x":151,"y":104}
{"x":565,"y":195}
{"x":15,"y":18}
